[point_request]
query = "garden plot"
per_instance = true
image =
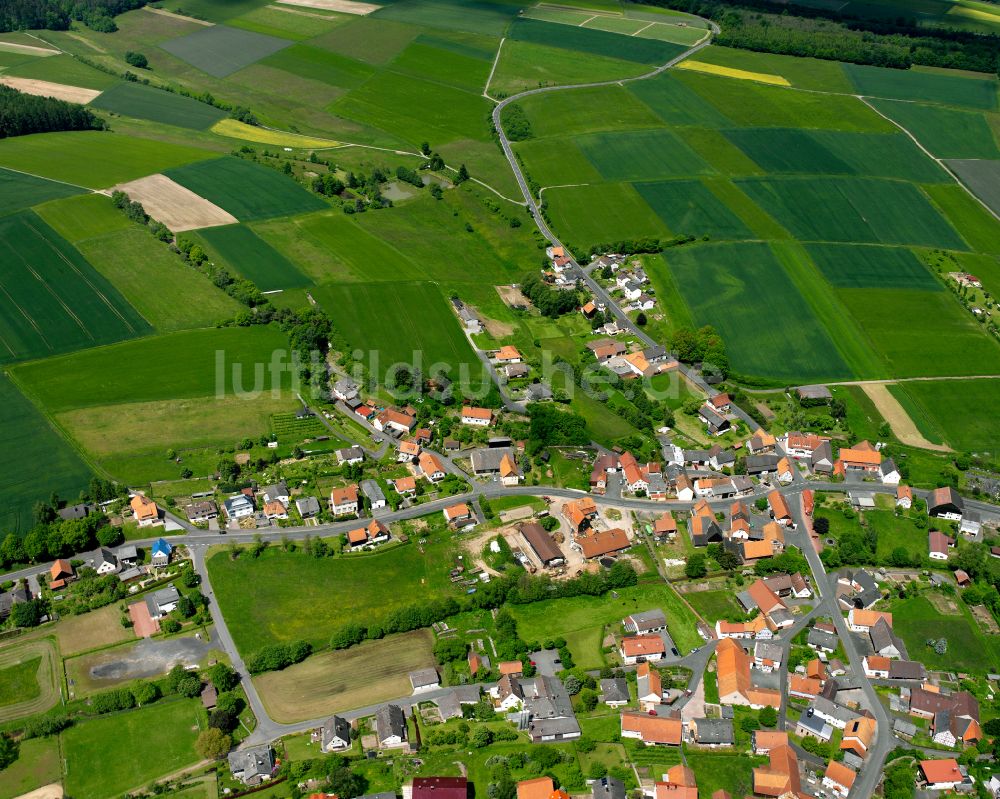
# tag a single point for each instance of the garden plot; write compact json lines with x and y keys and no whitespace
{"x":176,"y":207}
{"x":221,"y":50}
{"x":44,"y":88}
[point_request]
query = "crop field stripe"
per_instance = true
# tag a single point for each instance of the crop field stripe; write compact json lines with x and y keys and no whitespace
{"x":221,"y":50}
{"x":850,"y":341}
{"x":982,"y":178}
{"x":156,"y":105}
{"x":628,"y":48}
{"x":687,"y":207}
{"x":730,"y":72}
{"x":871,"y":266}
{"x":945,"y":132}
{"x":19,"y":190}
{"x":900,"y":84}
{"x":254,"y":258}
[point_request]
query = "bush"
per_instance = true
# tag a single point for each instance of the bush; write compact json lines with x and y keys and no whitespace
{"x":223,"y":677}
{"x":278,"y":656}
{"x":137,"y":60}
{"x":213,"y":744}
{"x":110,"y":701}
{"x":515,"y":123}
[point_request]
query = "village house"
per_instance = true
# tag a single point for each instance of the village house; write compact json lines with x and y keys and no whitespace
{"x":712,"y":732}
{"x":943,"y":775}
{"x":800,"y":445}
{"x":373,"y":494}
{"x":861,"y":621}
{"x":252,"y":766}
{"x":344,"y":500}
{"x":780,"y":777}
{"x":680,"y":783}
{"x":761,"y":443}
{"x":715,"y":423}
{"x":390,"y":726}
{"x":809,"y":724}
{"x":510,"y":472}
{"x":478,"y":417}
{"x":703,"y":527}
{"x":649,"y":687}
{"x":430,"y":467}
{"x":839,"y":779}
{"x":779,"y":509}
{"x":238,"y":507}
{"x":275,"y":510}
{"x":858,"y":736}
{"x":580,"y":514}
{"x":507,"y":354}
{"x":642,"y":648}
{"x":202,"y":511}
{"x":335,"y":734}
{"x":144,"y":510}
{"x":763,"y":741}
{"x":106,"y":562}
{"x":954,"y":717}
{"x":645,"y":623}
{"x":407,"y":451}
{"x":159,"y":553}
{"x":652,"y":730}
{"x":542,"y":545}
{"x":350,"y":456}
{"x":405,"y":486}
{"x":160,"y":603}
{"x":394,"y":421}
{"x":605,"y":542}
{"x":665,"y":527}
{"x":373,"y":533}
{"x":734,"y":679}
{"x":60,"y":573}
{"x":550,"y":711}
{"x":459,"y":515}
{"x":904,"y":497}
{"x":614,"y":692}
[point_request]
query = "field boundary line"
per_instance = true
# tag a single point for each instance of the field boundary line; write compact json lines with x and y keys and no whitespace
{"x":493,"y":69}
{"x":647,"y":27}
{"x":940,"y":162}
{"x":52,"y":180}
{"x":30,"y":320}
{"x":588,"y":19}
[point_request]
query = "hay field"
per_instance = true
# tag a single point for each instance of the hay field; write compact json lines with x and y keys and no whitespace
{"x":329,"y":682}
{"x":98,"y":628}
{"x":42,"y":651}
{"x":174,"y":205}
{"x":44,"y":88}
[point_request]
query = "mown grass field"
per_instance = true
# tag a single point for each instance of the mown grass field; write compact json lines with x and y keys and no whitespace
{"x":964,"y":413}
{"x":37,"y":764}
{"x":712,"y":277}
{"x":52,"y":300}
{"x":31,"y":678}
{"x":421,"y":323}
{"x":95,"y":160}
{"x":98,"y":628}
{"x":916,"y":620}
{"x":714,"y":605}
{"x":328,"y":682}
{"x":110,"y":755}
{"x":19,"y":682}
{"x":83,"y":217}
{"x":190,"y":358}
{"x":247,"y":190}
{"x":288,"y":582}
{"x":240,"y":248}
{"x":19,"y":191}
{"x":54,"y":465}
{"x":145,"y":102}
{"x":158,"y":284}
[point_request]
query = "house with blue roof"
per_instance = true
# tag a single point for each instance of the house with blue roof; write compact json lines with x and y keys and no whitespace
{"x":161,"y":552}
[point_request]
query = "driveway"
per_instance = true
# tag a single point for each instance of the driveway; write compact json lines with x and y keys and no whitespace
{"x":545,"y":662}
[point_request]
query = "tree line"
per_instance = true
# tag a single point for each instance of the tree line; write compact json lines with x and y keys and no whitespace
{"x":791,"y":29}
{"x":21,"y":114}
{"x":56,"y":15}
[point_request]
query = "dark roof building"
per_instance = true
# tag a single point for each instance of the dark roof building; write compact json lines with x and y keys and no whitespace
{"x":440,"y":788}
{"x":542,"y":544}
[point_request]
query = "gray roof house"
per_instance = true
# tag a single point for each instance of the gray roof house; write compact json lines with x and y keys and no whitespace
{"x":607,"y":788}
{"x":758,"y":464}
{"x":648,"y":621}
{"x":883,"y":641}
{"x":307,"y":507}
{"x":77,"y":511}
{"x":252,"y":766}
{"x":424,"y":680}
{"x":815,"y":726}
{"x":549,"y":711}
{"x":487,"y":460}
{"x":822,"y":458}
{"x":713,"y":732}
{"x":336,"y":734}
{"x":128,"y":554}
{"x":614,"y":692}
{"x":160,"y":603}
{"x":390,"y":725}
{"x":350,"y":455}
{"x":373,"y":493}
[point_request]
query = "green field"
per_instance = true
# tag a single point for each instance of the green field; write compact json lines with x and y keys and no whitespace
{"x":488,"y":18}
{"x":714,"y":605}
{"x":901,"y":84}
{"x":247,"y":190}
{"x":315,"y":63}
{"x":398,"y":322}
{"x":221,"y":50}
{"x":922,"y":333}
{"x":716,"y":279}
{"x":802,"y":73}
{"x":852,"y":210}
{"x":571,"y":113}
{"x":676,"y":103}
{"x":556,"y":162}
{"x":964,"y":413}
{"x":62,"y":69}
{"x":92,"y":159}
{"x":145,"y":102}
{"x":982,"y":177}
{"x":915,"y":620}
{"x":19,"y":191}
{"x":107,"y":756}
{"x":158,"y":284}
{"x":946,"y":132}
{"x":37,"y":764}
{"x":83,"y":217}
{"x":857,"y":266}
{"x":976,"y":225}
{"x":641,"y":155}
{"x":524,"y":65}
{"x":18,"y":683}
{"x":253,"y":258}
{"x":51,"y":299}
{"x":54,"y":466}
{"x":595,"y":42}
{"x":190,"y":358}
{"x":688,"y":207}
{"x":288,"y":582}
{"x":461,"y":68}
{"x":829,"y":152}
{"x":271,"y":21}
{"x":587,"y":215}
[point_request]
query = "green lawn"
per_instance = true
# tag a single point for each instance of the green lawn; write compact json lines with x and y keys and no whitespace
{"x":107,"y":756}
{"x":896,"y":532}
{"x":94,"y":159}
{"x":18,"y":683}
{"x":714,"y":605}
{"x":727,"y":772}
{"x":580,"y":619}
{"x":335,"y":590}
{"x":916,"y":620}
{"x":37,"y":764}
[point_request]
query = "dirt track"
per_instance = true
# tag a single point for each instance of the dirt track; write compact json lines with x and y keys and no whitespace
{"x":175,"y":206}
{"x":900,"y":422}
{"x":53,"y":791}
{"x":343,"y":6}
{"x":43,"y":88}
